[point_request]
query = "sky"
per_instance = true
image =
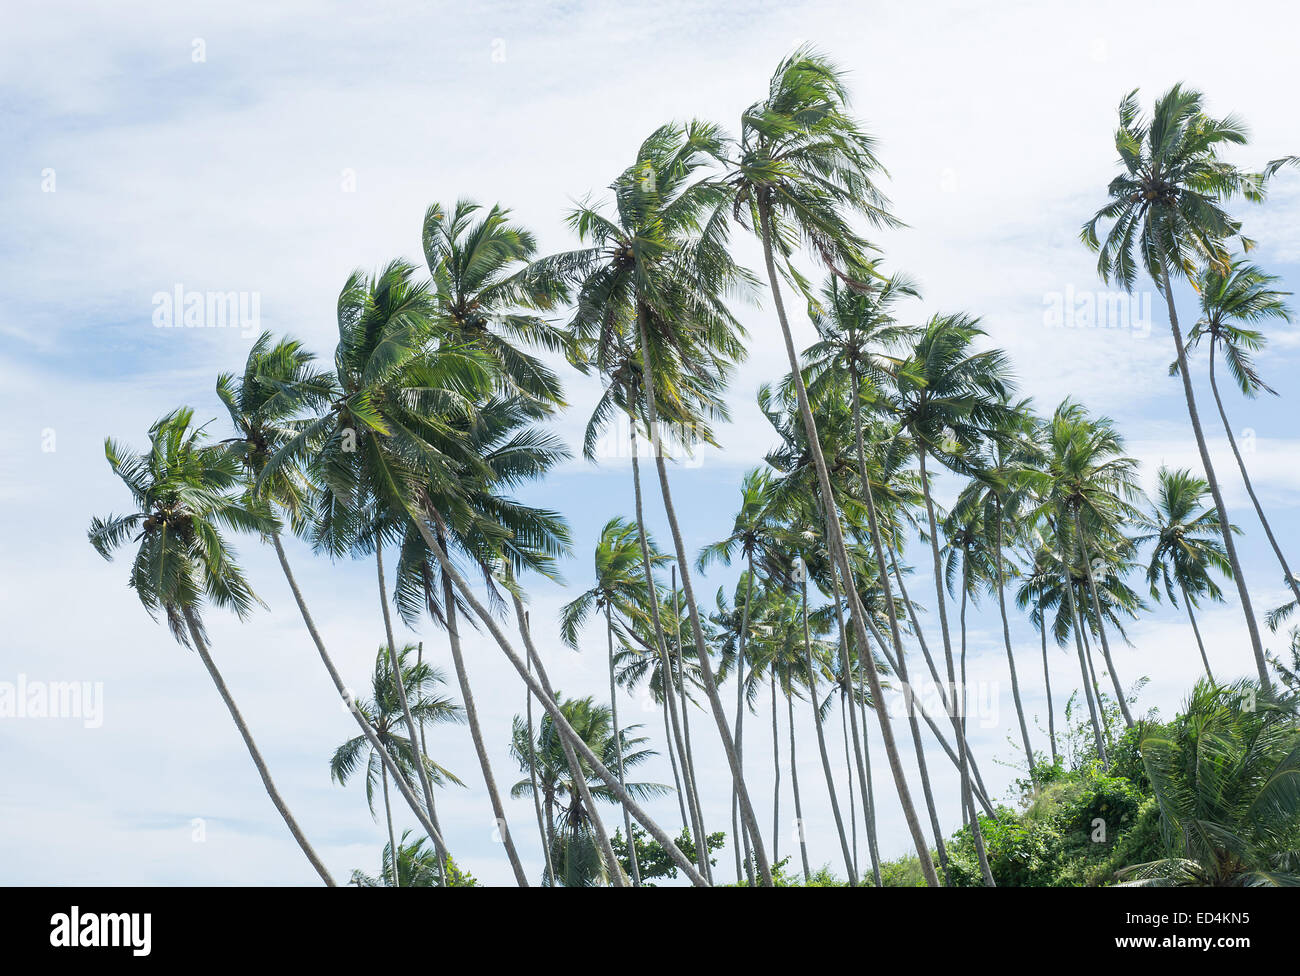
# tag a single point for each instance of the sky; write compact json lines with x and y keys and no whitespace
{"x":269,"y":150}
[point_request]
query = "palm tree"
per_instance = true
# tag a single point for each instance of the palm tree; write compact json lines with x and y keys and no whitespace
{"x":619,"y":584}
{"x":1225,"y":775}
{"x":1089,"y":485}
{"x":658,"y":269}
{"x":571,"y":821}
{"x":267,"y":404}
{"x":185,"y":492}
{"x":1186,"y":546}
{"x":800,"y":162}
{"x":414,"y":867}
{"x":1233,"y":300}
{"x":1167,"y":204}
{"x":383,"y":711}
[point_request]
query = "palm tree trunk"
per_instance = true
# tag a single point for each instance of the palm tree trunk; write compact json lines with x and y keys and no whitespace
{"x":776,"y":777}
{"x":839,"y":558}
{"x":1006,"y":640}
{"x":1197,"y":631}
{"x":976,"y":834}
{"x":392,"y":837}
{"x":429,"y":824}
{"x":692,"y":607}
{"x":550,"y":835}
{"x":688,"y":762}
{"x":794,"y":785}
{"x":1101,"y":621}
{"x":846,"y":708}
{"x":1250,"y":488}
{"x":821,"y":744}
{"x":661,"y":645}
{"x":545,"y":832}
{"x":1047,"y":681}
{"x":476,"y":732}
{"x":1225,"y":525}
{"x":395,"y":664}
{"x":200,"y":645}
{"x":1076,"y":626}
{"x":540,"y":686}
{"x":622,"y":777}
{"x":738,"y":834}
{"x":869,"y":789}
{"x":672,"y":760}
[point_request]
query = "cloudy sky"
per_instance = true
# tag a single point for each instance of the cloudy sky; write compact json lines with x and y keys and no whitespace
{"x":270,"y":150}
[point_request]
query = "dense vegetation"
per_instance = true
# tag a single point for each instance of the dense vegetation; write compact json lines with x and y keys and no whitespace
{"x":438,"y":407}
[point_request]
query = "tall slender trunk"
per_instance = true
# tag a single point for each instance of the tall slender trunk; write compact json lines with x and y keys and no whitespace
{"x":545,"y":832}
{"x":688,"y":763}
{"x":200,"y":645}
{"x":821,"y":742}
{"x":776,"y":778}
{"x":739,"y":834}
{"x":794,"y":785}
{"x":1047,"y":681}
{"x":692,"y":607}
{"x":429,"y":824}
{"x":863,"y":761}
{"x":1225,"y":524}
{"x":618,"y":739}
{"x":1006,"y":640}
{"x":846,"y":708}
{"x":1076,"y":626}
{"x":392,"y":837}
{"x":669,"y":732}
{"x":476,"y":732}
{"x":839,"y":555}
{"x":1101,"y":620}
{"x":540,"y":686}
{"x":550,"y":832}
{"x":976,"y":833}
{"x":1197,"y":631}
{"x":396,"y":664}
{"x":661,"y":646}
{"x":1250,"y":488}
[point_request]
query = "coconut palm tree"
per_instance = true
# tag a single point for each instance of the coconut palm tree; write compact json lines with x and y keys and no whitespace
{"x":800,"y":164}
{"x":268,"y":405}
{"x":653,"y":280}
{"x":384,"y":713}
{"x":1185,"y":537}
{"x":1225,"y":773}
{"x":1165,"y":213}
{"x":414,"y":867}
{"x":185,"y":492}
{"x":570,"y":818}
{"x":1232,"y":301}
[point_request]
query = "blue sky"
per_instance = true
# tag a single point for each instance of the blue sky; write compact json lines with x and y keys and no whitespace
{"x":232,"y":173}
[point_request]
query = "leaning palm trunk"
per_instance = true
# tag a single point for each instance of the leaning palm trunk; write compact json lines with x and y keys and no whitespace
{"x":846,"y":706}
{"x":693,"y":610}
{"x":1101,"y":622}
{"x":794,"y":785}
{"x":1225,"y":526}
{"x":575,"y":767}
{"x":661,"y":647}
{"x":957,"y":712}
{"x":428,"y":823}
{"x":688,"y":758}
{"x":196,"y":636}
{"x":541,"y":687}
{"x":839,"y":556}
{"x":618,"y":739}
{"x":1006,"y":640}
{"x":1076,"y":626}
{"x":476,"y":733}
{"x":1047,"y":681}
{"x":1197,"y":631}
{"x":1250,"y":489}
{"x":776,"y":777}
{"x":542,"y":829}
{"x":687,"y":823}
{"x":400,"y":685}
{"x":821,"y":746}
{"x":859,"y":748}
{"x":740,"y":835}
